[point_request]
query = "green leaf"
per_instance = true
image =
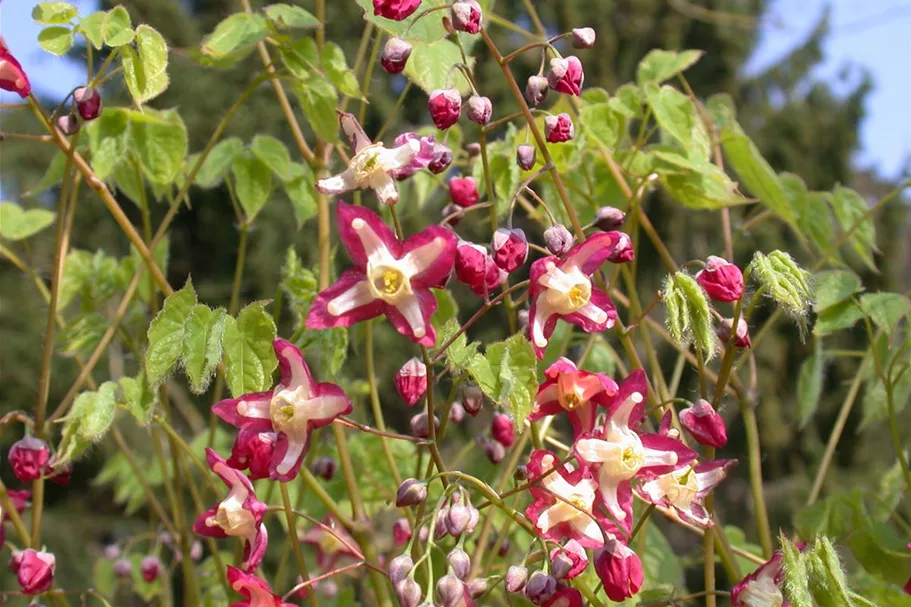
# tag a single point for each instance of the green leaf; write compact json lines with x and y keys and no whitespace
{"x":660,"y":65}
{"x":248,"y":355}
{"x":95,"y":411}
{"x":167,"y":333}
{"x":54,"y":13}
{"x":92,"y":277}
{"x":117,"y":28}
{"x":885,"y":309}
{"x":447,"y":309}
{"x":301,"y":191}
{"x":627,"y":101}
{"x":235,"y":36}
{"x":319,"y":100}
{"x":219,"y":160}
{"x":673,"y":111}
{"x":707,"y":188}
{"x":328,"y":348}
{"x":834,"y":516}
{"x":850,"y":208}
{"x":160,"y":142}
{"x":84,"y":335}
{"x":876,"y":401}
{"x":274,"y":153}
{"x":834,"y":287}
{"x":838,"y":317}
{"x":18,"y":224}
{"x":299,"y":286}
{"x":56,"y":39}
{"x":301,"y":57}
{"x":515,"y":364}
{"x":109,"y":140}
{"x":814,"y":217}
{"x":429,"y":66}
{"x":336,"y":68}
{"x":90,"y":27}
{"x":809,"y":384}
{"x":253,"y":183}
{"x":601,"y":123}
{"x":139,"y":398}
{"x":286,"y":15}
{"x":145,"y":69}
{"x":661,"y":564}
{"x":202,"y":345}
{"x":147,"y":591}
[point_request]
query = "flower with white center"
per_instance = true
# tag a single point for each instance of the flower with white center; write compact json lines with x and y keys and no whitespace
{"x":684,"y":489}
{"x":256,"y":592}
{"x":390,"y":276}
{"x":762,"y":588}
{"x":562,"y":288}
{"x":617,"y":452}
{"x":239,"y":514}
{"x":372,"y":165}
{"x":292,"y":410}
{"x":578,"y":393}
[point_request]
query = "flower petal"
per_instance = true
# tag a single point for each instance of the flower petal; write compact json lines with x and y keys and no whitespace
{"x":542,"y":320}
{"x":560,"y":366}
{"x":350,"y":299}
{"x":200,"y":526}
{"x":255,"y":551}
{"x":365,"y":234}
{"x":235,"y":410}
{"x":353,"y":130}
{"x":294,"y":369}
{"x":589,"y":255}
{"x":411,"y":316}
{"x":384,"y":186}
{"x":659,"y":451}
{"x":628,"y":406}
{"x":431,"y":255}
{"x":288,"y":455}
{"x":328,"y":403}
{"x":597,"y":315}
{"x":337,"y":184}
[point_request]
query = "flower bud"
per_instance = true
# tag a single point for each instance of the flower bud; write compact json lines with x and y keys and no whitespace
{"x":522,"y":319}
{"x":440,"y":528}
{"x":473,"y":148}
{"x":558,"y":239}
{"x":477,"y":587}
{"x":195,"y":551}
{"x":456,"y":412}
{"x":88,"y":102}
{"x":60,"y":475}
{"x":521,"y":474}
{"x":452,"y":211}
{"x":401,"y":531}
{"x":479,"y":109}
{"x":623,"y":251}
{"x":704,"y":424}
{"x":420,"y":427}
{"x":457,"y":518}
{"x":123,"y":568}
{"x":560,"y":565}
{"x":472,"y":400}
{"x":609,"y":218}
{"x":34,"y":570}
{"x":410,"y":493}
{"x":28,"y":457}
{"x":474,"y":515}
{"x":12,"y":77}
{"x":323,"y":467}
{"x":460,"y":562}
{"x":536,"y":90}
{"x":516,"y":576}
{"x":150,"y":567}
{"x":476,"y":268}
{"x":111,"y":551}
{"x":445,"y":105}
{"x":721,"y":280}
{"x":510,"y":248}
{"x":464,"y":191}
{"x":411,"y":381}
{"x":328,"y":588}
{"x":423,"y":534}
{"x":559,"y":128}
{"x":466,"y":17}
{"x":450,"y":590}
{"x":566,"y":75}
{"x":68,"y":124}
{"x":447,"y":25}
{"x":568,"y":561}
{"x":502,"y":430}
{"x":395,"y":55}
{"x":494,"y":451}
{"x":741,"y":340}
{"x":525,"y":156}
{"x":583,"y":37}
{"x":540,"y":587}
{"x":408,"y":592}
{"x":400,"y":567}
{"x":503,"y":549}
{"x":396,"y":10}
{"x":442,"y":158}
{"x":619,"y":569}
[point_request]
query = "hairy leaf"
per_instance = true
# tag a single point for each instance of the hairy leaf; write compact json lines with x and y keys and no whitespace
{"x":319,"y":100}
{"x":336,"y":68}
{"x":834,"y":287}
{"x":91,"y":27}
{"x":167,"y":333}
{"x":252,"y":182}
{"x":117,"y":28}
{"x":219,"y":160}
{"x":885,"y":309}
{"x":851,"y":213}
{"x":202,"y":345}
{"x":145,"y":68}
{"x":515,"y":365}
{"x":235,"y":36}
{"x":248,"y":355}
{"x":274,"y":154}
{"x":659,"y":65}
{"x":160,"y":142}
{"x":56,"y":39}
{"x":53,"y":13}
{"x":139,"y":398}
{"x":286,"y":15}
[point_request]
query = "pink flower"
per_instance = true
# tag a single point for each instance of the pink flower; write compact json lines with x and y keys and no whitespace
{"x":445,"y":106}
{"x":502,"y":429}
{"x":401,"y":531}
{"x":28,"y":457}
{"x":564,"y":289}
{"x":330,"y":546}
{"x":575,"y":555}
{"x":395,"y":55}
{"x":559,"y":128}
{"x":722,"y":280}
{"x":34,"y":570}
{"x":396,"y":10}
{"x":617,"y":452}
{"x":479,"y":109}
{"x":466,"y":17}
{"x":256,"y":592}
{"x":510,"y":248}
{"x":411,"y":381}
{"x":150,"y":567}
{"x":389,"y":276}
{"x":565,"y":597}
{"x":576,"y":392}
{"x":432,"y":155}
{"x":240,"y":514}
{"x":372,"y":165}
{"x":705,"y":424}
{"x":566,"y":75}
{"x":12,"y":77}
{"x":19,"y":500}
{"x":253,"y":450}
{"x":683,"y":489}
{"x":292,"y":410}
{"x":583,"y":37}
{"x":620,"y":570}
{"x":536,"y":89}
{"x":464,"y":191}
{"x":475,"y":267}
{"x":762,"y":588}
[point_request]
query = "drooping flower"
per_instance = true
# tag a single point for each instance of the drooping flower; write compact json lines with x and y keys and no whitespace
{"x":480,"y":109}
{"x":411,"y":381}
{"x":583,"y":37}
{"x":466,"y":17}
{"x":741,"y":339}
{"x":296,"y":407}
{"x":704,"y":424}
{"x":762,"y":588}
{"x":721,"y":280}
{"x":559,"y":128}
{"x":331,"y":545}
{"x":433,"y":156}
{"x":562,"y":288}
{"x":410,"y":493}
{"x":617,"y":452}
{"x":536,"y":89}
{"x":401,"y":531}
{"x":579,"y":393}
{"x":28,"y":458}
{"x":372,"y":165}
{"x":620,"y":570}
{"x":396,"y":10}
{"x":684,"y":489}
{"x":12,"y":77}
{"x":609,"y":218}
{"x":525,"y":156}
{"x":256,"y":592}
{"x":389,"y":276}
{"x":575,"y":557}
{"x":445,"y":106}
{"x":475,"y":267}
{"x":239,"y":514}
{"x":502,"y":429}
{"x":150,"y":567}
{"x":558,"y":239}
{"x":88,"y":102}
{"x":464,"y":191}
{"x":34,"y":570}
{"x":395,"y":55}
{"x":515,"y":578}
{"x":510,"y":248}
{"x":253,"y":450}
{"x":566,"y":75}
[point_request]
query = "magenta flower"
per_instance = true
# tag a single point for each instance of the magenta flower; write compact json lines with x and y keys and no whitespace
{"x":566,"y":75}
{"x":564,"y":289}
{"x":559,"y":128}
{"x":396,"y":10}
{"x":445,"y":106}
{"x":389,"y":276}
{"x":253,"y":450}
{"x":684,"y":489}
{"x":741,"y":339}
{"x":464,"y":191}
{"x":510,"y":248}
{"x":576,"y":556}
{"x":620,"y":570}
{"x":431,"y":155}
{"x":466,"y":17}
{"x":704,"y":424}
{"x":12,"y":77}
{"x":579,"y":393}
{"x":20,"y":501}
{"x":88,"y":102}
{"x":722,"y":280}
{"x":411,"y":381}
{"x":565,"y":597}
{"x":475,"y":267}
{"x":256,"y":592}
{"x":617,"y":452}
{"x":762,"y":588}
{"x":150,"y":567}
{"x":331,"y":545}
{"x":34,"y":570}
{"x":401,"y":531}
{"x":395,"y":55}
{"x":292,"y":410}
{"x":29,"y":457}
{"x":502,"y":429}
{"x":240,"y":514}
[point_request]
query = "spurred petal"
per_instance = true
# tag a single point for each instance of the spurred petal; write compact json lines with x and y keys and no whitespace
{"x":247,"y":411}
{"x":431,"y":253}
{"x":345,"y":303}
{"x":385,"y":188}
{"x":598,"y":248}
{"x":338,"y":184}
{"x":256,"y":592}
{"x":201,"y":527}
{"x":255,"y":551}
{"x":12,"y":77}
{"x":627,"y":407}
{"x":598,"y":315}
{"x":368,"y":239}
{"x":294,"y":369}
{"x":411,"y":316}
{"x":659,"y":460}
{"x":353,"y":130}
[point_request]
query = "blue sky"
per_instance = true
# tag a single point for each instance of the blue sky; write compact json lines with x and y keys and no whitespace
{"x":866,"y":34}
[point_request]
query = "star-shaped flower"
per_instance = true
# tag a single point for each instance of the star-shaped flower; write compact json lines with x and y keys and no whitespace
{"x":256,"y":592}
{"x":576,"y":392}
{"x":684,"y":489}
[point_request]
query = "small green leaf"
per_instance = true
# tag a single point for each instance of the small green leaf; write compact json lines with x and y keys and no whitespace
{"x":139,"y":398}
{"x":838,"y":317}
{"x":447,"y":309}
{"x":809,"y":384}
{"x":876,"y":399}
{"x":117,"y":28}
{"x":160,"y":142}
{"x":90,"y":27}
{"x":202,"y":345}
{"x":299,"y":286}
{"x":885,"y":309}
{"x":336,"y":68}
{"x":660,"y":65}
{"x":167,"y":333}
{"x":286,"y":15}
{"x":145,"y":69}
{"x":794,"y":565}
{"x":253,"y":183}
{"x":429,"y":66}
{"x":850,"y":209}
{"x":673,"y":111}
{"x":814,"y":217}
{"x":18,"y":224}
{"x":601,"y":123}
{"x":56,"y":39}
{"x":96,"y":411}
{"x":627,"y":101}
{"x":54,"y":13}
{"x":109,"y":140}
{"x":301,"y":57}
{"x":515,"y":365}
{"x":248,"y":355}
{"x":219,"y":160}
{"x":84,"y":335}
{"x":834,"y":287}
{"x":236,"y":36}
{"x":319,"y":101}
{"x":274,"y":153}
{"x":302,"y":194}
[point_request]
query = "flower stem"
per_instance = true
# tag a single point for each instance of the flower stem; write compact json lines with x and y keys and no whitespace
{"x":375,"y":401}
{"x":755,"y":460}
{"x":296,"y":545}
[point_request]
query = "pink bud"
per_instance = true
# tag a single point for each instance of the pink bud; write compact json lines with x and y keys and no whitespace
{"x":150,"y":568}
{"x":457,"y":518}
{"x":540,"y":587}
{"x":558,"y":239}
{"x":28,"y":457}
{"x":474,"y":516}
{"x":609,"y":218}
{"x":441,"y":528}
{"x":452,"y":214}
{"x":401,"y":531}
{"x":741,"y":340}
{"x":460,"y":562}
{"x":477,"y":587}
{"x":323,"y":467}
{"x":503,"y":549}
{"x":88,"y":102}
{"x":466,"y":17}
{"x":525,"y":156}
{"x":408,"y":592}
{"x":583,"y":37}
{"x":476,"y":268}
{"x":619,"y":569}
{"x":559,"y":128}
{"x":395,"y":55}
{"x":510,"y":248}
{"x":623,"y":251}
{"x":560,"y":564}
{"x":68,"y":124}
{"x":472,"y":400}
{"x":396,"y":10}
{"x":479,"y":109}
{"x":450,"y":590}
{"x":456,"y":412}
{"x":445,"y":105}
{"x":123,"y":568}
{"x":442,"y":158}
{"x":566,"y":75}
{"x":411,"y":381}
{"x":722,"y":280}
{"x":536,"y":90}
{"x":472,"y":149}
{"x":34,"y":570}
{"x":464,"y":191}
{"x":420,"y":427}
{"x":516,"y":576}
{"x":400,"y":567}
{"x":494,"y":450}
{"x":502,"y":430}
{"x":705,"y":424}
{"x":111,"y":551}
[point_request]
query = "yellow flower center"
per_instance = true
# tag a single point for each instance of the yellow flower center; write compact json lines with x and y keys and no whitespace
{"x":571,"y":401}
{"x":578,"y":502}
{"x":388,"y":282}
{"x":329,"y":543}
{"x":632,"y":458}
{"x":578,"y":296}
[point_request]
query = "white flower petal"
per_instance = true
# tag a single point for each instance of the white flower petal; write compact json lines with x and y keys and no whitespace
{"x":295,"y":448}
{"x":257,"y":409}
{"x":556,"y":514}
{"x":325,"y":407}
{"x":374,"y":247}
{"x":384,"y":186}
{"x":355,"y":297}
{"x":410,"y":308}
{"x":543,"y":312}
{"x":337,"y":184}
{"x":400,"y":156}
{"x":421,"y":258}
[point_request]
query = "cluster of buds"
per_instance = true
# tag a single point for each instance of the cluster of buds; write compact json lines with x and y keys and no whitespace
{"x":87,"y":105}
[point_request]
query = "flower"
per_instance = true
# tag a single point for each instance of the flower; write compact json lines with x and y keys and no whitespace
{"x":583,"y":37}
{"x":239,"y":514}
{"x":762,"y":588}
{"x":150,"y":567}
{"x":466,"y":17}
{"x":256,"y":592}
{"x":411,"y":381}
{"x":88,"y":102}
{"x":372,"y":165}
{"x":502,"y":430}
{"x":253,"y":450}
{"x":559,"y":128}
{"x":464,"y":191}
{"x":68,"y":124}
{"x":536,"y":89}
{"x":332,"y":543}
{"x":741,"y":340}
{"x":475,"y":267}
{"x":566,"y":388}
{"x":683,"y":489}
{"x":566,"y":75}
{"x":705,"y":424}
{"x":721,"y":280}
{"x":510,"y":248}
{"x":564,"y":289}
{"x":479,"y":109}
{"x":619,"y":569}
{"x":395,"y":9}
{"x":617,"y":452}
{"x":292,"y":410}
{"x":525,"y":156}
{"x":34,"y":570}
{"x":12,"y":77}
{"x":410,"y":493}
{"x":574,"y":555}
{"x":516,"y":576}
{"x":390,"y":276}
{"x":445,"y":106}
{"x":432,"y":156}
{"x":566,"y":597}
{"x":395,"y":55}
{"x":566,"y":503}
{"x":28,"y":457}
{"x":609,"y":218}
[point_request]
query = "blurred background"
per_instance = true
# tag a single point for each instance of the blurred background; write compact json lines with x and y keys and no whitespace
{"x":822,"y":87}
